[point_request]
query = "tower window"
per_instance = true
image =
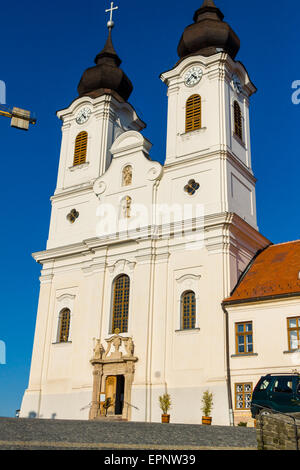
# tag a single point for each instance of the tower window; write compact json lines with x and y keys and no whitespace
{"x":121,"y":289}
{"x":80,"y":148}
{"x":238,"y":125}
{"x":64,"y":325}
{"x":193,"y":113}
{"x":188,"y":310}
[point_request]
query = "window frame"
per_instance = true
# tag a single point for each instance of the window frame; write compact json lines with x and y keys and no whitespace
{"x":192,"y":319}
{"x":193,"y":113}
{"x":61,"y":325}
{"x":244,"y":334}
{"x":244,"y":408}
{"x":80,"y":148}
{"x":297,"y":329}
{"x":113,"y":308}
{"x":238,"y":130}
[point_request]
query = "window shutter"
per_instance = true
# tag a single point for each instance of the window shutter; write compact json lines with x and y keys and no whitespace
{"x":80,"y":148}
{"x":193,"y":113}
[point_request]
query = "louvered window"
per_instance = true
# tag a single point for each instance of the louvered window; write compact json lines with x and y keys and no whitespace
{"x":120,"y":304}
{"x":193,"y":113}
{"x":188,"y":310}
{"x":238,"y":125}
{"x":80,"y":148}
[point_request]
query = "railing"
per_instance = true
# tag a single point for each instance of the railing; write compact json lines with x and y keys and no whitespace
{"x":273,"y":414}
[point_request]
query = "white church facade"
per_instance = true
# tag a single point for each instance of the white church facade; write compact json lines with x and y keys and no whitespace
{"x":140,"y":256}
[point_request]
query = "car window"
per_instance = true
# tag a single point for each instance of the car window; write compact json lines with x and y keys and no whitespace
{"x":283,"y":385}
{"x":298,"y":389}
{"x":264,"y":384}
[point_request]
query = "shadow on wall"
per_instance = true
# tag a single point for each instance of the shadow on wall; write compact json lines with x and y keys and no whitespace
{"x":33,"y":415}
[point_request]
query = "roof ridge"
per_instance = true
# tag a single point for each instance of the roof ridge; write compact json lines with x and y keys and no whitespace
{"x":284,"y":243}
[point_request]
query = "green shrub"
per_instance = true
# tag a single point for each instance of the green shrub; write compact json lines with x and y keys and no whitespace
{"x":207,"y":403}
{"x":165,"y":403}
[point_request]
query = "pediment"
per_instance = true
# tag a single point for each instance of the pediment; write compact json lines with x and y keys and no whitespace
{"x":129,"y":142}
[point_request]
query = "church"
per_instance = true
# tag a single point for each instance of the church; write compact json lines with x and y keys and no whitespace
{"x":155,"y":277}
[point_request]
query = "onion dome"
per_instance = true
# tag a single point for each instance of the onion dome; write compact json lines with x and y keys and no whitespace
{"x":106,"y":77}
{"x":208,"y":34}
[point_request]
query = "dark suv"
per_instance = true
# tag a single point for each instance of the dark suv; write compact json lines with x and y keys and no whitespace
{"x":279,"y":392}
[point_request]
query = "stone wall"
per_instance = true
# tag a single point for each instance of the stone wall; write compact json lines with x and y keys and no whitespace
{"x":278,"y":432}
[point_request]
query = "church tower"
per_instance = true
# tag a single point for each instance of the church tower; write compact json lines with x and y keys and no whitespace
{"x":208,"y":111}
{"x":91,"y":124}
{"x":140,"y":256}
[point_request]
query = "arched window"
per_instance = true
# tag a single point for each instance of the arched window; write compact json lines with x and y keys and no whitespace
{"x":238,"y":125}
{"x":127,"y":175}
{"x":64,"y":325}
{"x":80,"y":148}
{"x":121,"y":288}
{"x":193,"y":113}
{"x":188,"y":310}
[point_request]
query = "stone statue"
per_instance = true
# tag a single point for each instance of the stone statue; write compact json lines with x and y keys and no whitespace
{"x":126,"y":206}
{"x":127,"y":175}
{"x":129,"y":347}
{"x":98,"y":350}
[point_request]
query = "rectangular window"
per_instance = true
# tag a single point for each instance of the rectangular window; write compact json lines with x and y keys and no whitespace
{"x":243,"y":395}
{"x":294,"y":333}
{"x":244,"y":338}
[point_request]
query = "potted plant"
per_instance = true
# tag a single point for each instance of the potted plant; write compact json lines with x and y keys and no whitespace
{"x":207,"y":405}
{"x":165,"y":405}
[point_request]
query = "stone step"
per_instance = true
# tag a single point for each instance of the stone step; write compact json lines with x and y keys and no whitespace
{"x":110,"y":418}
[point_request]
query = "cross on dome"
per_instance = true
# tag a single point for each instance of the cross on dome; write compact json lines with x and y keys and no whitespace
{"x":110,"y":23}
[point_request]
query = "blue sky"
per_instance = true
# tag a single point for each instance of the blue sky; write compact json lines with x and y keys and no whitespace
{"x":44,"y":51}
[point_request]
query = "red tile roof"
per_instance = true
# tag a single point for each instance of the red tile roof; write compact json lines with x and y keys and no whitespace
{"x":274,"y":272}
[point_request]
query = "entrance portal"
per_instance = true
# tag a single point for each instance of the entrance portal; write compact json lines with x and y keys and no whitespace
{"x":113,"y":372}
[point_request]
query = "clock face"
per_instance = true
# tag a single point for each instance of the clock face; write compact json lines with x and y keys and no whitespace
{"x":193,"y":76}
{"x":83,"y":115}
{"x":237,"y":83}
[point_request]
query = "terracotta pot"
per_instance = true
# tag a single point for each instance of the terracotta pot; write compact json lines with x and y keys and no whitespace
{"x":165,"y":418}
{"x":206,"y":420}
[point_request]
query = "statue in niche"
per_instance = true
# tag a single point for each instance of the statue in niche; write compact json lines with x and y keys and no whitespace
{"x":126,"y":206}
{"x":127,"y":175}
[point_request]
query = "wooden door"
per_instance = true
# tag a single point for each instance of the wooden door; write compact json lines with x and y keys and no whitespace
{"x":110,"y":392}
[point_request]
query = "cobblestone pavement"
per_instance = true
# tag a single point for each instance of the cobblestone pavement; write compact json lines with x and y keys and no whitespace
{"x":82,"y":435}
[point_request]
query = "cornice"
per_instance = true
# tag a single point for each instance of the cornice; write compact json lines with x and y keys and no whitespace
{"x":76,"y":190}
{"x":211,"y":156}
{"x":235,"y":229}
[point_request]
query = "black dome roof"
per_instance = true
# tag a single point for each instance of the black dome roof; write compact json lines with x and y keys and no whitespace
{"x":208,"y":33}
{"x":106,"y":77}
